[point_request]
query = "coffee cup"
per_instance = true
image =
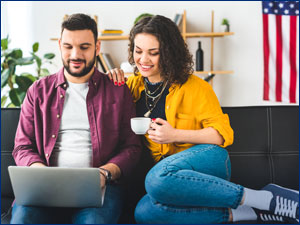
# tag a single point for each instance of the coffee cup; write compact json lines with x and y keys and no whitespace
{"x":140,"y":125}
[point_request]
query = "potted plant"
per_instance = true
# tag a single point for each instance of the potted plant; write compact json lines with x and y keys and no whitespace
{"x":142,"y":16}
{"x":17,"y":84}
{"x":225,"y":25}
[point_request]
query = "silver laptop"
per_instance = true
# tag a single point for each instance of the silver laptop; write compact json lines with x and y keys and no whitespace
{"x":56,"y":186}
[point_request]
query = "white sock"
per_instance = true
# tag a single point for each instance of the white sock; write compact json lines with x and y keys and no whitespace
{"x":257,"y":199}
{"x":242,"y":213}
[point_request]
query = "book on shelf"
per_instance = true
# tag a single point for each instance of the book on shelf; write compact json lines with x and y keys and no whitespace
{"x":108,"y":61}
{"x":104,"y":65}
{"x":177,"y":19}
{"x":105,"y":62}
{"x":111,"y":32}
{"x":100,"y":65}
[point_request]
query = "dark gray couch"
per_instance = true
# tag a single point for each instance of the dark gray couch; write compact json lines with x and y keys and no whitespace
{"x":265,"y":150}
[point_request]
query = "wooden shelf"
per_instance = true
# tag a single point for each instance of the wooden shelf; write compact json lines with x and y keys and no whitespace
{"x":113,"y":37}
{"x":209,"y":34}
{"x":188,"y":35}
{"x":106,"y":38}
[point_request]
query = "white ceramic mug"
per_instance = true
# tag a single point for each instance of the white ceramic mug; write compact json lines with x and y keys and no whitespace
{"x":140,"y":125}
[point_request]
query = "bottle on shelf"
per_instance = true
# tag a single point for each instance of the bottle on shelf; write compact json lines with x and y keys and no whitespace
{"x":199,"y":58}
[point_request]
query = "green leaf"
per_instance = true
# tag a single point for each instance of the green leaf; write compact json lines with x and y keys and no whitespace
{"x":21,"y":95}
{"x":16,"y":96}
{"x":49,"y":56}
{"x":11,"y":105}
{"x":13,"y":78}
{"x":24,"y":61}
{"x":3,"y":100}
{"x":17,"y":53}
{"x":44,"y":72}
{"x":4,"y":77}
{"x":12,"y":69}
{"x":38,"y":60}
{"x":25,"y":74}
{"x":23,"y":82}
{"x":35,"y":47}
{"x":11,"y":65}
{"x":30,"y":76}
{"x":4,"y":43}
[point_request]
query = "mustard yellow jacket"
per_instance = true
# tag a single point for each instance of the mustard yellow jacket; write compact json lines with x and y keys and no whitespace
{"x":190,"y":106}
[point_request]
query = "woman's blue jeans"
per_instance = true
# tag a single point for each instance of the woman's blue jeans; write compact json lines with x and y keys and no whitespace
{"x":189,"y":187}
{"x":108,"y":213}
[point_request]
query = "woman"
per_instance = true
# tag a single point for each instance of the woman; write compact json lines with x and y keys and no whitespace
{"x":190,"y":182}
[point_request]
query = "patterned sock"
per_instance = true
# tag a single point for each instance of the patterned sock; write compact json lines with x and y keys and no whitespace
{"x":242,"y":213}
{"x":257,"y":199}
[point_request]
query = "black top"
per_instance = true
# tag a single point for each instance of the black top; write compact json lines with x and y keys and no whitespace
{"x":159,"y":110}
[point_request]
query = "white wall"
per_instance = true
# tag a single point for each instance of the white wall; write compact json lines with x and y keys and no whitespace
{"x":241,"y":52}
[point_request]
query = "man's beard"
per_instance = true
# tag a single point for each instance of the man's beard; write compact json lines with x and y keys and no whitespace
{"x":87,"y":68}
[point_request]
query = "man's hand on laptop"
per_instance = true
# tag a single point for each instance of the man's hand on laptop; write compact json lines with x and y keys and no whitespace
{"x":37,"y":164}
{"x":114,"y":170}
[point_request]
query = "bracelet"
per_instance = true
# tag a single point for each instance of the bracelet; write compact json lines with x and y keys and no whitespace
{"x":107,"y":174}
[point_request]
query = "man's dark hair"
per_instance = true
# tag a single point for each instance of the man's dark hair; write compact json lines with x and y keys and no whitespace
{"x":80,"y":21}
{"x":175,"y":62}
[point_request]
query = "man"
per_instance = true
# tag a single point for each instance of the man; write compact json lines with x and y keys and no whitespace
{"x":77,"y":118}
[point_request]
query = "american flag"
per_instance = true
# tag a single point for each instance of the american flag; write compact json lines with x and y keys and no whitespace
{"x":281,"y":50}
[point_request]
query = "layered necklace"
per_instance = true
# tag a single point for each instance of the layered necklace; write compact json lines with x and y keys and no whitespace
{"x":153,"y":96}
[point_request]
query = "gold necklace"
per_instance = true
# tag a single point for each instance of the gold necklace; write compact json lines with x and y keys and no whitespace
{"x":155,"y":100}
{"x":148,"y":92}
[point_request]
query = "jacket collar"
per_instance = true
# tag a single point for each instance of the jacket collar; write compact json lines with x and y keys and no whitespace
{"x":60,"y":78}
{"x":93,"y":81}
{"x":141,"y":83}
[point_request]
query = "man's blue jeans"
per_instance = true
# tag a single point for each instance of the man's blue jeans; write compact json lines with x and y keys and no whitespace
{"x":191,"y":186}
{"x":108,"y":213}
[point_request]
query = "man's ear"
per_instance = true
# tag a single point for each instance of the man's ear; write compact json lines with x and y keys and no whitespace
{"x":59,"y":44}
{"x":98,"y":45}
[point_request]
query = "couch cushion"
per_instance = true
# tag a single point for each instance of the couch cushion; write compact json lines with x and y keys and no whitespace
{"x":266,"y":145}
{"x":9,"y":122}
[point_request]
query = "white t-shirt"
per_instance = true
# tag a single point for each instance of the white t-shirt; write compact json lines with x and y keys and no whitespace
{"x":73,"y":147}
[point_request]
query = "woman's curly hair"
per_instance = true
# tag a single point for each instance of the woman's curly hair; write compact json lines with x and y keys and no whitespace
{"x":175,"y":62}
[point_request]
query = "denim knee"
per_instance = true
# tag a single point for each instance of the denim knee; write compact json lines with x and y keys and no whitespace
{"x":161,"y":179}
{"x":19,"y":217}
{"x":90,"y":216}
{"x":142,"y":213}
{"x":29,"y":215}
{"x":149,"y":211}
{"x":156,"y":180}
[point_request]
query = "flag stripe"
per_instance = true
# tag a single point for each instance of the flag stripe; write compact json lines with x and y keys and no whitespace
{"x":297,"y":60}
{"x":286,"y":68}
{"x":278,"y":58}
{"x":293,"y":67}
{"x":266,"y":56}
{"x":272,"y":58}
